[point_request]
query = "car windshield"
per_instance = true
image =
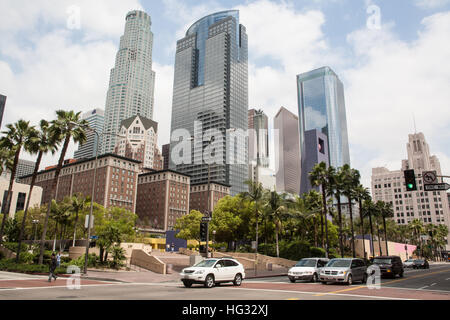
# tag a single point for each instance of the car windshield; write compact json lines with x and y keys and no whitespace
{"x":306,"y":263}
{"x":382,"y":261}
{"x":410,"y":260}
{"x":419,"y":261}
{"x":205,"y":264}
{"x":336,"y":263}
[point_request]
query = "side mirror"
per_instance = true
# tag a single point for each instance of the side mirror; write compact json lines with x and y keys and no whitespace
{"x":218,"y":266}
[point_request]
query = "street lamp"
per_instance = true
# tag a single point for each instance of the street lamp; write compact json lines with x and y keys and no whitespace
{"x":214,"y":241}
{"x":35,"y":223}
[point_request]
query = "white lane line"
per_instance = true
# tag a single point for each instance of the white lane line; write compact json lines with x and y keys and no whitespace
{"x":423,"y":288}
{"x":57,"y":287}
{"x":433,"y":284}
{"x":329,"y":294}
{"x":413,"y":289}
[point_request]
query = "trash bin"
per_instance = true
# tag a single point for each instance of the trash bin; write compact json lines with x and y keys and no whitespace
{"x":269,"y":267}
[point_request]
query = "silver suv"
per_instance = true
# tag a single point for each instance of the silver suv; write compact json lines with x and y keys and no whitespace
{"x":307,"y":269}
{"x":344,"y":270}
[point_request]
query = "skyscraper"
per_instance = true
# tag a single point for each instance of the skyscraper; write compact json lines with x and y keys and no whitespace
{"x":321,"y":104}
{"x":389,"y":186}
{"x":211,"y":88}
{"x":132,"y":80}
{"x":287,"y":155}
{"x":2,"y":107}
{"x":258,"y":140}
{"x":96,"y":120}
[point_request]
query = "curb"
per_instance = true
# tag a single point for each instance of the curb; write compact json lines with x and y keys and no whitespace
{"x":103,"y":279}
{"x":266,"y":276}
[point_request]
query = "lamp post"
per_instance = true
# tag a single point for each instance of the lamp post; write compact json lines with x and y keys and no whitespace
{"x":35,"y":223}
{"x":214,"y":241}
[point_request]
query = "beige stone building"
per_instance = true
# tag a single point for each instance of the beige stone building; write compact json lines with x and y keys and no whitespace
{"x":20,"y":194}
{"x":199,"y":196}
{"x":389,"y":186}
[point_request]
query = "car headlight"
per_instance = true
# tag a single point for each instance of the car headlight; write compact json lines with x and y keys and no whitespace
{"x":200,"y":272}
{"x":342,"y":272}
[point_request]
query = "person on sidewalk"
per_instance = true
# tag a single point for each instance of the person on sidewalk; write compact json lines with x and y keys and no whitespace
{"x":52,"y":267}
{"x":58,"y":259}
{"x":172,"y":247}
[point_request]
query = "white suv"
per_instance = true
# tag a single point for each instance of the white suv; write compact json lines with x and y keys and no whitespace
{"x":210,"y":272}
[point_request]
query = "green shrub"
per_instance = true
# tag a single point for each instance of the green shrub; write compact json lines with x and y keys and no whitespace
{"x":317,"y":252}
{"x":26,"y":257}
{"x":11,"y":266}
{"x":296,"y":250}
{"x":118,"y":255}
{"x":268,"y":249}
{"x":2,"y":255}
{"x":65,"y":260}
{"x":93,"y":261}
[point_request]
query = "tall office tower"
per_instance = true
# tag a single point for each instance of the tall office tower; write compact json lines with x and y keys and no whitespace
{"x":132,"y":80}
{"x":166,"y":156}
{"x":96,"y":120}
{"x":24,"y":167}
{"x":316,"y":151}
{"x":389,"y":186}
{"x":211,"y":89}
{"x":322,"y":106}
{"x":2,"y":107}
{"x":258,"y":139}
{"x":287,"y":157}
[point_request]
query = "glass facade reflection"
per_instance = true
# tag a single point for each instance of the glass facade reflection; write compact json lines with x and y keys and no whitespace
{"x":211,"y":87}
{"x":322,"y":107}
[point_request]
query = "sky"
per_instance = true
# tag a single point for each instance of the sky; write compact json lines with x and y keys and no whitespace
{"x":392,"y":56}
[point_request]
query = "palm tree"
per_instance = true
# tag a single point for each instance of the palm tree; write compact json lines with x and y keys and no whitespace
{"x":337,"y":189}
{"x":66,"y":127}
{"x":321,"y":176}
{"x":41,"y":144}
{"x":18,"y":135}
{"x":278,"y":210}
{"x":417,"y":228}
{"x":312,"y":206}
{"x":255,"y":194}
{"x":379,"y":207}
{"x":386,"y":212}
{"x":351,"y":180}
{"x":77,"y":204}
{"x":362,"y":194}
{"x":60,"y":212}
{"x":369,"y":210}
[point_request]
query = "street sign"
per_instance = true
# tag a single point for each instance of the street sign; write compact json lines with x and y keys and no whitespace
{"x":206,"y":219}
{"x":430,"y":177}
{"x":94,"y":237}
{"x":87,"y":221}
{"x":437,"y":187}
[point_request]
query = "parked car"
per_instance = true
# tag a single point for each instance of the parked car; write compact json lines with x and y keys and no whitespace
{"x":344,"y":270}
{"x":307,"y":269}
{"x":421,"y":264}
{"x":210,"y":272}
{"x":408,"y":263}
{"x":389,"y":266}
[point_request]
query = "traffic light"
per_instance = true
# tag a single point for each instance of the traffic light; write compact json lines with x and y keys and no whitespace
{"x":203,"y":231}
{"x":410,"y":180}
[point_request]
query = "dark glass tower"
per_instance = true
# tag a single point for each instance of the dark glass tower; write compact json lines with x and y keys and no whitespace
{"x":322,"y":107}
{"x":211,"y":87}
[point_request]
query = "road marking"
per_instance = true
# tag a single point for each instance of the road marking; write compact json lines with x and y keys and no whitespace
{"x":423,"y":288}
{"x":312,"y":293}
{"x":433,"y":284}
{"x":414,"y":289}
{"x":56,"y":287}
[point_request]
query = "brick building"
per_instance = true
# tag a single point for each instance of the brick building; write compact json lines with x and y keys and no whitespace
{"x":199,"y":196}
{"x":116,"y":182}
{"x":162,"y":197}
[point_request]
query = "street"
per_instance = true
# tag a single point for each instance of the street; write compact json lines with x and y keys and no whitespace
{"x":432,"y":284}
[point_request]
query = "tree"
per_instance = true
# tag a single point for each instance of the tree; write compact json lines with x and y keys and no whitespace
{"x":336,"y":190}
{"x":321,"y":176}
{"x":66,"y":127}
{"x":41,"y":144}
{"x":351,"y":179}
{"x":386,"y":211}
{"x":16,"y":137}
{"x":60,"y":213}
{"x":189,"y":226}
{"x":78,"y":204}
{"x":362,"y":194}
{"x":313,"y":208}
{"x":416,"y":226}
{"x":369,"y":210}
{"x":255,"y":194}
{"x":277,"y":211}
{"x":227,"y":219}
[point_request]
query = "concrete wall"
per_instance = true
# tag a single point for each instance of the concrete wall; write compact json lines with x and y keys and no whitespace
{"x":395,"y":249}
{"x":144,"y":260}
{"x":20,"y":188}
{"x":129,"y":247}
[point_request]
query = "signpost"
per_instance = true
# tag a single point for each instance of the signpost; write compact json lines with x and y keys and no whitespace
{"x":437,"y":187}
{"x":430,"y":177}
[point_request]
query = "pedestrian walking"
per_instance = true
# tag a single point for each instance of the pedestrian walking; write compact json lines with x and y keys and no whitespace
{"x":173,"y":247}
{"x":58,"y":259}
{"x":52,"y":267}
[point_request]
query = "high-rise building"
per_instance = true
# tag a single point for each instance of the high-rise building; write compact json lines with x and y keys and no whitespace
{"x":166,"y":155}
{"x":258,"y":139}
{"x":199,"y":196}
{"x":132,"y":80}
{"x":321,"y":104}
{"x":287,"y":155}
{"x":389,"y":186}
{"x":24,"y":167}
{"x":2,"y":107}
{"x":96,"y":120}
{"x":211,"y":89}
{"x":316,"y":151}
{"x":137,"y":140}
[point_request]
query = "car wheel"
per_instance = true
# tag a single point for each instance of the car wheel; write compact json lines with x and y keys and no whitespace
{"x":401,"y":274}
{"x":209,"y":282}
{"x":237,"y":280}
{"x":187,"y":284}
{"x":350,"y":280}
{"x":315,"y":278}
{"x":323,"y":282}
{"x":292,"y":280}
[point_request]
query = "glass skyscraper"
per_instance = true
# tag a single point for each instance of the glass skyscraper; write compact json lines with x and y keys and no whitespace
{"x":322,"y":107}
{"x":211,"y":88}
{"x":96,"y":120}
{"x":132,"y":80}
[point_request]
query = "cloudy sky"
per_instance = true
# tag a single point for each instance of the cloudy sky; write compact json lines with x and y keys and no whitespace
{"x":393,"y":57}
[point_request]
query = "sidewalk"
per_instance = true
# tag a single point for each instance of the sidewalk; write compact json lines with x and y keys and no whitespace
{"x":141,"y":276}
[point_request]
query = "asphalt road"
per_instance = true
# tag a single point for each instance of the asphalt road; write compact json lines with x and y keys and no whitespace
{"x":417,"y":284}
